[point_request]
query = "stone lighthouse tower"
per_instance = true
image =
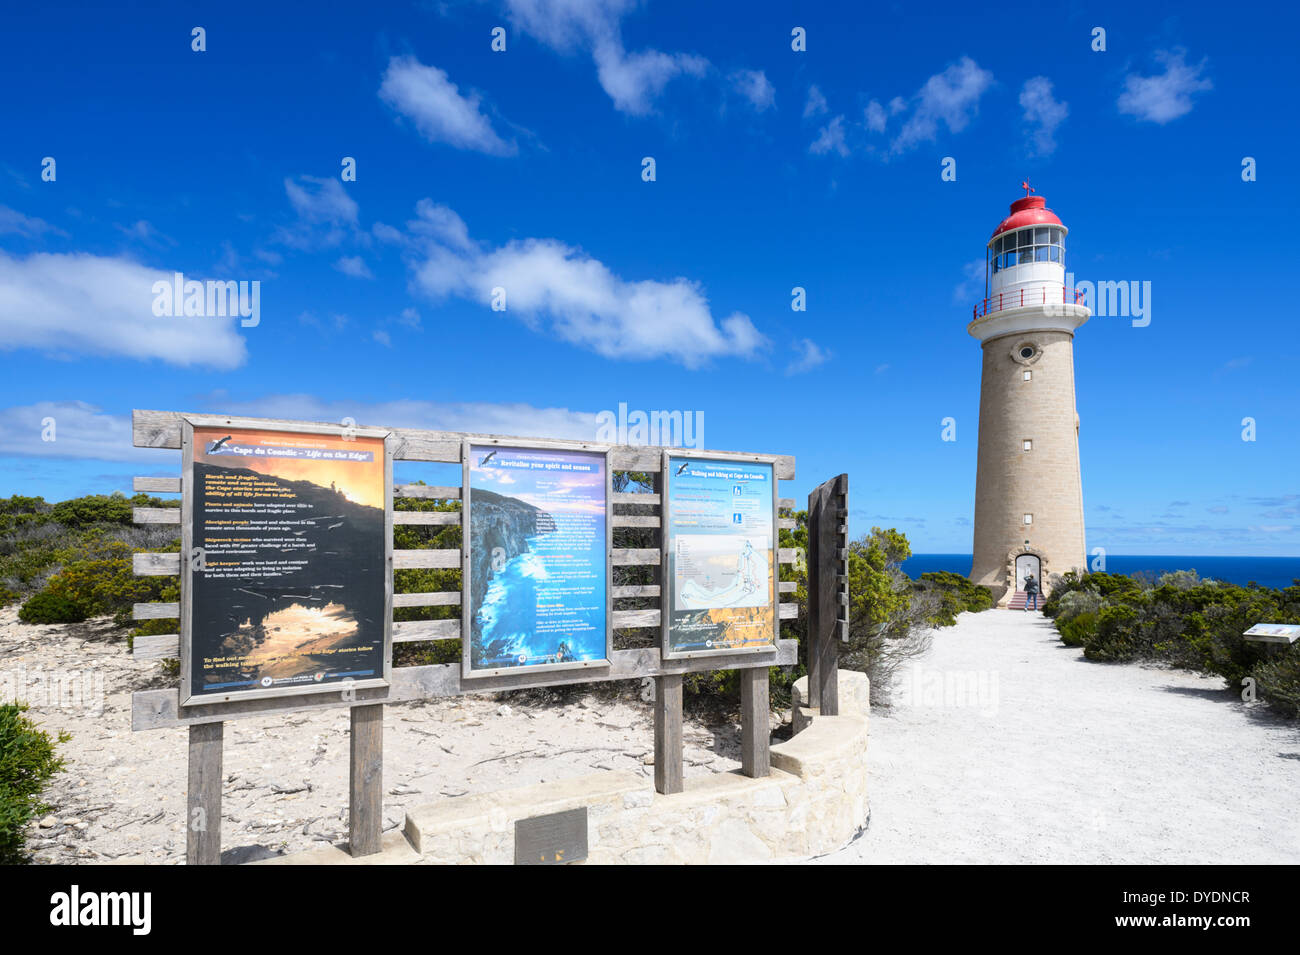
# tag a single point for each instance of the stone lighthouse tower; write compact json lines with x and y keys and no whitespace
{"x":1028,"y":490}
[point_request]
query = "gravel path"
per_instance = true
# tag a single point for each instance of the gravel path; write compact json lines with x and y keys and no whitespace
{"x":1004,"y":746}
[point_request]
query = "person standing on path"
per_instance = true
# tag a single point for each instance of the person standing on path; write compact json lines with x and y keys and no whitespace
{"x":1031,"y":592}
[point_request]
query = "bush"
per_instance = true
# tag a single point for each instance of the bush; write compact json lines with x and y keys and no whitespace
{"x":1113,"y":638}
{"x":956,"y":595}
{"x":46,"y":607}
{"x":93,"y":509}
{"x":1278,"y":681}
{"x":27,"y":760}
{"x":1076,"y":631}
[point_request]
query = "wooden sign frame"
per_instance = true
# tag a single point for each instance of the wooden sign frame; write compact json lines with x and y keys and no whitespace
{"x":187,"y":696}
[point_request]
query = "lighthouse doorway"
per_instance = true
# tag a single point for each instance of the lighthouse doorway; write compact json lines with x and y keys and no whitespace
{"x":1027,"y":564}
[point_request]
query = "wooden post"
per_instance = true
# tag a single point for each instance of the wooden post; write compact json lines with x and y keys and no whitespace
{"x":827,"y":566}
{"x":668,"y":733}
{"x":755,"y":733}
{"x":366,"y":780}
{"x":203,"y":799}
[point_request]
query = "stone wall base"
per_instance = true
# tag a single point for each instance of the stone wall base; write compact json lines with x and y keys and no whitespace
{"x":814,"y":802}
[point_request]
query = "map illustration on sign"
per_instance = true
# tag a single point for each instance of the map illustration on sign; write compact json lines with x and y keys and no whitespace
{"x":720,"y":554}
{"x":287,"y":586}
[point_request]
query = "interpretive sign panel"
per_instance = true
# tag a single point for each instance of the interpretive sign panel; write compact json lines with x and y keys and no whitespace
{"x":537,"y":558}
{"x":285,"y":573}
{"x":720,"y":551}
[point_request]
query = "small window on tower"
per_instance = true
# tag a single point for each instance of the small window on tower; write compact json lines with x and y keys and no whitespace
{"x":1028,"y":375}
{"x":1040,"y":253}
{"x":1027,"y":352}
{"x":1029,"y":518}
{"x":1029,"y":444}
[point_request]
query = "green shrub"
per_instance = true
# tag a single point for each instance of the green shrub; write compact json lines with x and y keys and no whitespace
{"x":46,"y":607}
{"x":956,"y":595}
{"x":1113,"y":638}
{"x":1076,"y":631}
{"x":27,"y":760}
{"x":93,"y":509}
{"x":7,"y":596}
{"x":1278,"y":681}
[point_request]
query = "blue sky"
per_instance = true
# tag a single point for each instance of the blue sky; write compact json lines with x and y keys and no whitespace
{"x":774,"y":168}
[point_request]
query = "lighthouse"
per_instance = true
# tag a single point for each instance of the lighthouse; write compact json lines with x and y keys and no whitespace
{"x":1028,"y":486}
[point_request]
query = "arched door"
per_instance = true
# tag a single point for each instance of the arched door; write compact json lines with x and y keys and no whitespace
{"x":1027,"y":564}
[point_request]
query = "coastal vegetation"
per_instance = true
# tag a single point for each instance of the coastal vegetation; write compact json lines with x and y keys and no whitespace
{"x":27,"y":761}
{"x":1183,"y":621}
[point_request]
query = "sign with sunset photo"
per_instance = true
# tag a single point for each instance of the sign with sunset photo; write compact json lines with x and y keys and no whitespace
{"x":288,"y":569}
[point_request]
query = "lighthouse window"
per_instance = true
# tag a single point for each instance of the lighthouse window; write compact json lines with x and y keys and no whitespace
{"x":1026,"y":238}
{"x":1027,"y":352}
{"x":1029,"y":518}
{"x":1040,"y":237}
{"x":1056,"y":253}
{"x":1026,"y":255}
{"x":1040,"y":253}
{"x":1029,"y":445}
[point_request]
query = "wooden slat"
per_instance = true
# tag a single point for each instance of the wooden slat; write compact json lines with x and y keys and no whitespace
{"x":636,"y":556}
{"x":788,"y":586}
{"x":431,"y":598}
{"x":432,"y":557}
{"x":787,"y":523}
{"x":426,"y":517}
{"x":156,"y":485}
{"x":788,"y":611}
{"x":155,"y":611}
{"x":644,"y":590}
{"x":785,"y":504}
{"x":631,"y":619}
{"x":623,"y":497}
{"x":162,"y":429}
{"x":203,"y":795}
{"x":634,"y":520}
{"x":160,"y":709}
{"x":156,"y":515}
{"x":407,"y":631}
{"x":156,"y":565}
{"x":668,"y":733}
{"x":156,"y":646}
{"x":426,"y":490}
{"x":788,"y":554}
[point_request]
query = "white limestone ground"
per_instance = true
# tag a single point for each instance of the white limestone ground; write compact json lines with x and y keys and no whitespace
{"x":1072,"y":762}
{"x":122,"y":796}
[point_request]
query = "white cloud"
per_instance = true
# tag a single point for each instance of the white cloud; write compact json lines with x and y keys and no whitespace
{"x":755,"y":87}
{"x":808,"y":355}
{"x":1042,"y":113}
{"x":816,"y":104}
{"x":830,"y":138}
{"x":519,"y":419}
{"x":326,"y":213}
{"x":632,"y":80}
{"x":1166,"y":96}
{"x":85,"y":431}
{"x":967,"y":291}
{"x":354,"y":266}
{"x":11,"y":220}
{"x":875,"y":117}
{"x":951,"y":97}
{"x":382,"y":337}
{"x":79,"y":304}
{"x":80,"y":430}
{"x":561,"y":290}
{"x":441,"y":113}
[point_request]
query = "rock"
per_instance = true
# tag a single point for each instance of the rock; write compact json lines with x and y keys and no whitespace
{"x":648,"y":759}
{"x":48,"y":822}
{"x":504,"y":710}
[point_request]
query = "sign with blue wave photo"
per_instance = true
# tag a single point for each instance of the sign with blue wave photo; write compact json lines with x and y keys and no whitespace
{"x":537,"y":533}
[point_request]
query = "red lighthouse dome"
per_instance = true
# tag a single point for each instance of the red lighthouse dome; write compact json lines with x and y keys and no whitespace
{"x":1031,"y":210}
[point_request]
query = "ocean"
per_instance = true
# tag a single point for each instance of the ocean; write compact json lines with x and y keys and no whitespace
{"x":1268,"y":571}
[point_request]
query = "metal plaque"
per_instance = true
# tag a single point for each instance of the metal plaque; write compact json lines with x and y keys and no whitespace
{"x":555,"y":839}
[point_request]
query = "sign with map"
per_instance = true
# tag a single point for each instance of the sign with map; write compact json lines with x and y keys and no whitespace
{"x":537,"y":559}
{"x":287,"y":575}
{"x":720,"y":556}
